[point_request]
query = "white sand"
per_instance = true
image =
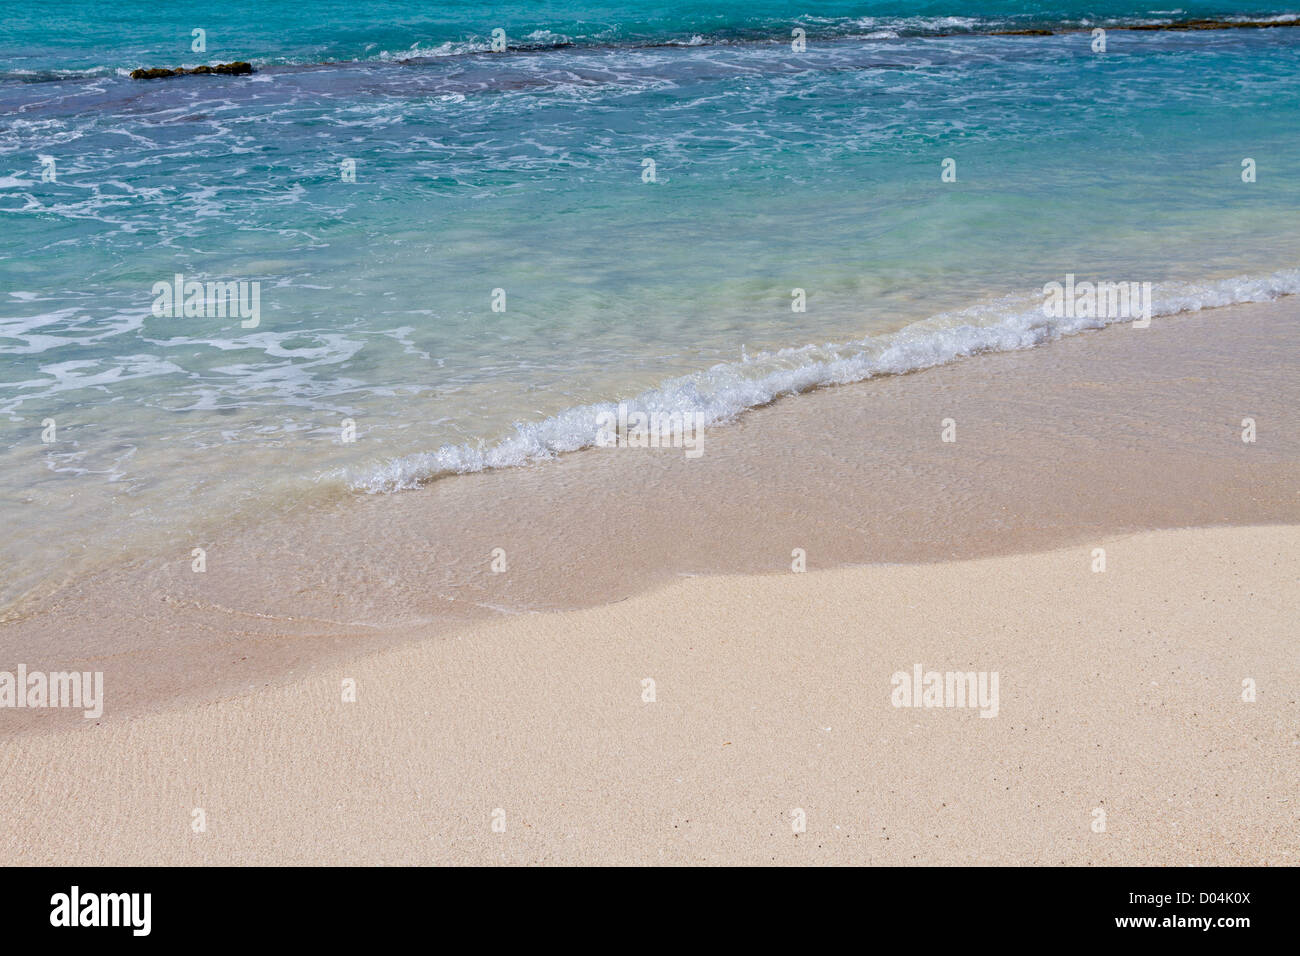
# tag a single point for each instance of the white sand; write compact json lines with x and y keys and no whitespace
{"x":1120,"y":691}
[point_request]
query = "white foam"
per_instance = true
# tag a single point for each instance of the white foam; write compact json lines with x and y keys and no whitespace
{"x":728,"y":389}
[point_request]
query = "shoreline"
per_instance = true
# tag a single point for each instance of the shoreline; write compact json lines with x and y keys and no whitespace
{"x":1105,"y":433}
{"x":1120,"y":692}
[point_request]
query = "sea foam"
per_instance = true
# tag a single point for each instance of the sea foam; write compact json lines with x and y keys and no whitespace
{"x":728,"y":389}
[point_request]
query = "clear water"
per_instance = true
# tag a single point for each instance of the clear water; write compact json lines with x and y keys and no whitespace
{"x":523,"y":171}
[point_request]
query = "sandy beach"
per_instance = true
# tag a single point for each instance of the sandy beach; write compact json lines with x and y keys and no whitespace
{"x":1144,"y":713}
{"x":1118,"y":692}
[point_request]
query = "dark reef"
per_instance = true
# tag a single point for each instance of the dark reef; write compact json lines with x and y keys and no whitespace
{"x":238,"y":68}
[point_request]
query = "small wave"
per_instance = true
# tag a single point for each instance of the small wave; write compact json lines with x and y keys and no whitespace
{"x":727,"y":390}
{"x":819,"y":29}
{"x":1278,"y":18}
{"x":56,"y":76}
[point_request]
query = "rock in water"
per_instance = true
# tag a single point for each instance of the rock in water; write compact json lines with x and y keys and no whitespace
{"x":238,"y":68}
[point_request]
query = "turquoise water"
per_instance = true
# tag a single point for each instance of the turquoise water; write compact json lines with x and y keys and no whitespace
{"x":525,"y":171}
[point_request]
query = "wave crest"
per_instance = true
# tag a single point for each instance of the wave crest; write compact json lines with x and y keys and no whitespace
{"x":726,"y":390}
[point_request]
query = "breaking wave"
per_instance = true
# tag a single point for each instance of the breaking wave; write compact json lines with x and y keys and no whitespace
{"x":726,"y":390}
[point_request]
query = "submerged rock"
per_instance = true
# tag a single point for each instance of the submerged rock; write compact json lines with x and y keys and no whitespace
{"x":1214,"y":25}
{"x":238,"y":68}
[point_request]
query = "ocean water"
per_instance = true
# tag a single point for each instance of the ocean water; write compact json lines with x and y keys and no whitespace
{"x":525,"y":171}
